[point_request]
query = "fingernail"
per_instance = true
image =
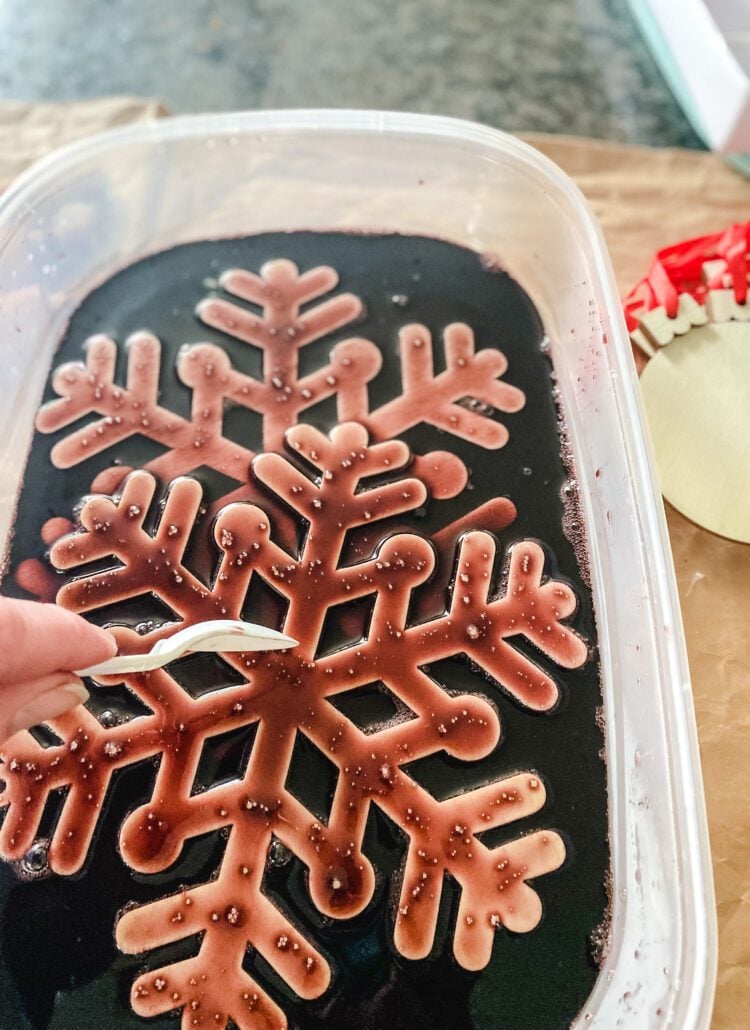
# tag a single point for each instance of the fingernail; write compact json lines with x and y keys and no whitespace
{"x":113,"y":645}
{"x":77,"y":690}
{"x":49,"y":705}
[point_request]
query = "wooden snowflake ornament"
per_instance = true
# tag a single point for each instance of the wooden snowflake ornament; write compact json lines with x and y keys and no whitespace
{"x":326,"y":481}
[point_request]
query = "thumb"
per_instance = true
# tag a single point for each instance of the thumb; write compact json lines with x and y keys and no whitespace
{"x":28,"y":704}
{"x":39,"y":639}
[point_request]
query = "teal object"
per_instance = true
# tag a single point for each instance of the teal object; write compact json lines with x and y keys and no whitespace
{"x":663,"y":56}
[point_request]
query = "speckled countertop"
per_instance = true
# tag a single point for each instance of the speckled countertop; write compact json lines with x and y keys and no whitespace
{"x":573,"y":66}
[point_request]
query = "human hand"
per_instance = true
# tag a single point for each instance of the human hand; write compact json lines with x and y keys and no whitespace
{"x":40,"y":646}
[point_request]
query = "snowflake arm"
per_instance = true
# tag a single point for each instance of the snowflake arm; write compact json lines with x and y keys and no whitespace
{"x":427,"y":397}
{"x":280,"y":291}
{"x":90,"y":388}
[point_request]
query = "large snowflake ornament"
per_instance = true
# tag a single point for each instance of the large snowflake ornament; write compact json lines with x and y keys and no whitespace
{"x":287,"y":525}
{"x":290,"y":692}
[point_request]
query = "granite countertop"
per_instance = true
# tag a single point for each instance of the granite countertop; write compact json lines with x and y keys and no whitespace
{"x":573,"y":66}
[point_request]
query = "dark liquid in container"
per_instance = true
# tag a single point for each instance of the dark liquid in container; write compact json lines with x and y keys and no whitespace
{"x":59,"y":965}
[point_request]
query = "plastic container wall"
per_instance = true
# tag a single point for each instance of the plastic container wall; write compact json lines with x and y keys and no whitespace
{"x":85,"y":212}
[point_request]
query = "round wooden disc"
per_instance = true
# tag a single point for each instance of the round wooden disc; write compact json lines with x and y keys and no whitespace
{"x":696,"y":391}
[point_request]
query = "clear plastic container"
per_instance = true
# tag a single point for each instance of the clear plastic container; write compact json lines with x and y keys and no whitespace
{"x":90,"y":209}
